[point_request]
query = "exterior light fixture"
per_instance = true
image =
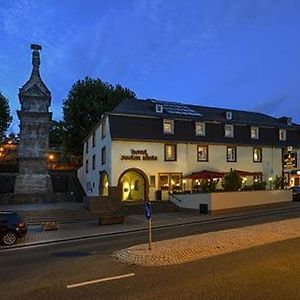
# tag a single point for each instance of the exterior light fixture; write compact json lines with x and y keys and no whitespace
{"x":51,"y":156}
{"x":298,"y":172}
{"x":270,"y":178}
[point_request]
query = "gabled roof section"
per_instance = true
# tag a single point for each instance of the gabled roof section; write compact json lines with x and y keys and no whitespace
{"x":178,"y":110}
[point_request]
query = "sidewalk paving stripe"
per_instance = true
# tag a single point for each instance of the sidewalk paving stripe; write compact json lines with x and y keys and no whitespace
{"x":70,"y":286}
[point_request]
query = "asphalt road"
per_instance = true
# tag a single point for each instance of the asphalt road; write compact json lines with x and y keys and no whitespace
{"x":268,"y":272}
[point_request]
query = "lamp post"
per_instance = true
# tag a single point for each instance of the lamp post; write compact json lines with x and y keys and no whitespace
{"x":270,"y":182}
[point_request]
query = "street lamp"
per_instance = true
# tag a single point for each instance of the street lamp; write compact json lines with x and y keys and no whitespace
{"x":270,"y":181}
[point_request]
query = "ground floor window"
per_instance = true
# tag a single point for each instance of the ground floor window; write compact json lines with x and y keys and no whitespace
{"x":231,"y":154}
{"x":170,"y":181}
{"x":103,"y":184}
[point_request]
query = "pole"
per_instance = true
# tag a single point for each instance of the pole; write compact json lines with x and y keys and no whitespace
{"x":150,"y":234}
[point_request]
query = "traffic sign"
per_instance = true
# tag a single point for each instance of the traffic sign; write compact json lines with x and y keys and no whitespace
{"x":148,"y":210}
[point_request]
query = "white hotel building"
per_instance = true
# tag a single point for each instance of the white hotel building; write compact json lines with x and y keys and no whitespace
{"x":144,"y":146}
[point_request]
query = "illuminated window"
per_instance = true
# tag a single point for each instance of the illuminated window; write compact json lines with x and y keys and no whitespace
{"x":228,"y":130}
{"x":282,"y":134}
{"x":200,"y":128}
{"x":169,"y":126}
{"x":170,"y":152}
{"x":202,"y":153}
{"x":231,"y":154}
{"x":170,"y":181}
{"x":257,"y":154}
{"x":254,"y":133}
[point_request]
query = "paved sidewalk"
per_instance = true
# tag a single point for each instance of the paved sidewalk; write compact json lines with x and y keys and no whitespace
{"x":73,"y":231}
{"x":190,"y":248}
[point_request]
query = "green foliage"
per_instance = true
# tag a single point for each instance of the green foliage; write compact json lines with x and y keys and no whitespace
{"x":279,"y":182}
{"x":56,"y":134}
{"x":259,"y":185}
{"x":208,"y":186}
{"x":255,"y":186}
{"x":87,"y":100}
{"x":5,"y":118}
{"x":231,"y":181}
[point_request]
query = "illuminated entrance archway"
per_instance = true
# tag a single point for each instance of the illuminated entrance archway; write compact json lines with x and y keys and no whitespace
{"x":103,"y":184}
{"x":134,"y":185}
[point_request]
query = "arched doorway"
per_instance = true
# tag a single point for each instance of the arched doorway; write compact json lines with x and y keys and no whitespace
{"x":134,"y":185}
{"x":103,"y":184}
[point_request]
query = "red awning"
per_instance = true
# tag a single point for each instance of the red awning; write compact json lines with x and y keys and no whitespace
{"x":205,"y":174}
{"x":246,"y":173}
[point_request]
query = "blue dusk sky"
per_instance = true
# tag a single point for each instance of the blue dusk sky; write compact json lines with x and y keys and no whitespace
{"x":242,"y":54}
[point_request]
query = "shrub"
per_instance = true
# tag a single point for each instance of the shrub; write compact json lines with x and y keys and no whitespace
{"x":279,"y":182}
{"x":259,"y":185}
{"x":208,"y":186}
{"x":231,"y":181}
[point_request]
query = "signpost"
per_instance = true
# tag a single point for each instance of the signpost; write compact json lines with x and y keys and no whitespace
{"x":148,"y":213}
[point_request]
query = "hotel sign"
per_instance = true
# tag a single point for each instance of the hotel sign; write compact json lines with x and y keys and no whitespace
{"x":138,"y":155}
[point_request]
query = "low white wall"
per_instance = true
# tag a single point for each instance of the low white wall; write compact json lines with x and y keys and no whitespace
{"x":231,"y":200}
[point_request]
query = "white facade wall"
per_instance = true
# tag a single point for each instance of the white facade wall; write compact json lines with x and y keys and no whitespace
{"x":90,"y":180}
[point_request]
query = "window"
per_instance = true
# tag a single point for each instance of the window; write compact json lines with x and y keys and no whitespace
{"x":152,"y":180}
{"x":231,"y":154}
{"x":257,"y":178}
{"x":94,"y":162}
{"x":93,"y":139}
{"x":168,"y":126}
{"x":228,"y":115}
{"x":257,"y":154}
{"x":282,"y":134}
{"x":87,"y":146}
{"x":170,"y":152}
{"x":158,"y":108}
{"x":202,"y":153}
{"x":86,"y":166}
{"x":254,"y":133}
{"x":103,"y":156}
{"x":170,"y":181}
{"x":103,"y":129}
{"x":228,"y":130}
{"x":200,"y":128}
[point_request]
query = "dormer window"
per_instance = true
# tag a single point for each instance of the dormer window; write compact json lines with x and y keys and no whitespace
{"x":289,"y":121}
{"x":228,"y":115}
{"x":200,"y":128}
{"x":158,"y":108}
{"x":282,"y":135}
{"x":168,"y":126}
{"x":254,"y":133}
{"x":228,"y":130}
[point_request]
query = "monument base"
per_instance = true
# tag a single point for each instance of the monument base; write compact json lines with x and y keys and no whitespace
{"x":33,"y":184}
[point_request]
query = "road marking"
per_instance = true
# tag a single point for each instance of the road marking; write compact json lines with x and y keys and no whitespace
{"x":70,"y":286}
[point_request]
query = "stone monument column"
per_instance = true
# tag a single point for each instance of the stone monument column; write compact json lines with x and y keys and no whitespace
{"x":35,"y":120}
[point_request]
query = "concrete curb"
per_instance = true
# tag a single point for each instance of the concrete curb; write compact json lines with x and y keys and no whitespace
{"x":207,"y":221}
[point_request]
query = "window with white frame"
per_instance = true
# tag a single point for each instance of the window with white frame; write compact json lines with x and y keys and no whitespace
{"x":282,"y":134}
{"x":228,"y":130}
{"x":86,"y":166}
{"x":254,"y":133}
{"x":200,"y":128}
{"x":202,"y":153}
{"x":257,"y":154}
{"x":103,"y":156}
{"x":103,"y":129}
{"x":231,"y":154}
{"x":168,"y":126}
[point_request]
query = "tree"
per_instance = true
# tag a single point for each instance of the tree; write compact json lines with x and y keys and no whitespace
{"x":56,"y":134}
{"x":5,"y":118}
{"x":231,"y":181}
{"x":87,"y":100}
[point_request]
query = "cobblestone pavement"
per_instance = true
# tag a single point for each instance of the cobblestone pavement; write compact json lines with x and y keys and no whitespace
{"x":186,"y":249}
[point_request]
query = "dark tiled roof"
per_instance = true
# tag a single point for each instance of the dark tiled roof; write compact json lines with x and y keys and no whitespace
{"x":147,"y":108}
{"x":151,"y":129}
